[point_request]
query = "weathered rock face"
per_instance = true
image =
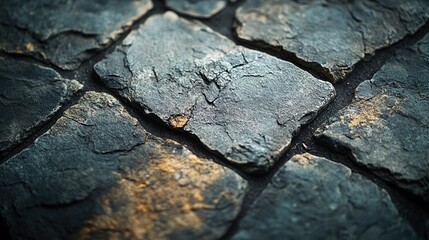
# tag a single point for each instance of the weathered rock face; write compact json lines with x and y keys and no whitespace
{"x":96,"y":174}
{"x":314,"y":198}
{"x":197,"y":8}
{"x":386,"y":128}
{"x":242,"y":103}
{"x":29,"y":95}
{"x":306,"y":28}
{"x":65,"y":32}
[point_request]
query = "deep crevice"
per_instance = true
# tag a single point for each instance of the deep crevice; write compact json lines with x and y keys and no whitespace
{"x":411,"y":207}
{"x":4,"y":231}
{"x":315,"y":68}
{"x":84,"y":74}
{"x":85,"y":71}
{"x":158,"y":128}
{"x":39,"y":130}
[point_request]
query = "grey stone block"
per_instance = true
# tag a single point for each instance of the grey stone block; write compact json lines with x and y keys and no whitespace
{"x":97,"y":174}
{"x":241,"y":103}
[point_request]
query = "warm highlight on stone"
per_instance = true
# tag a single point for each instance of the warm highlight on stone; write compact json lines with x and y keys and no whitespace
{"x":96,"y":174}
{"x":386,"y":128}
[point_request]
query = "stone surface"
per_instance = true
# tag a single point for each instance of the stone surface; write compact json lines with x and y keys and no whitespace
{"x":29,"y":95}
{"x":330,"y":35}
{"x":65,"y":32}
{"x":313,"y":198}
{"x":386,"y":128}
{"x":197,"y":8}
{"x":96,"y":174}
{"x":244,"y":104}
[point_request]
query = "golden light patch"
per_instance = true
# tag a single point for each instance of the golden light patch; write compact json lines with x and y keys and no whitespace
{"x":167,"y":166}
{"x":178,"y":121}
{"x":29,"y":46}
{"x":303,"y":159}
{"x":152,"y":202}
{"x":368,"y":111}
{"x":363,"y":118}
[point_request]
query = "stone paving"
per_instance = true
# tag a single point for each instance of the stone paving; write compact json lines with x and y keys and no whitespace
{"x":65,"y":32}
{"x":30,"y":96}
{"x":314,"y":198}
{"x":216,"y":90}
{"x":139,"y":119}
{"x":388,"y":121}
{"x":305,"y":28}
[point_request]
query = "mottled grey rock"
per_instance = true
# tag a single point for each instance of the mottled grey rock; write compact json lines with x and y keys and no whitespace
{"x":313,"y":198}
{"x":29,"y":95}
{"x":386,"y":128}
{"x":65,"y":32}
{"x":197,"y":8}
{"x":244,"y":104}
{"x":96,"y":174}
{"x":330,"y":35}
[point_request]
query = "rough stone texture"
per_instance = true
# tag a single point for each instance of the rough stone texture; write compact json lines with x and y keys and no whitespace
{"x":331,"y":35}
{"x":29,"y":95}
{"x":244,"y":104}
{"x":386,"y":128}
{"x":65,"y":32}
{"x":313,"y":198}
{"x":96,"y":174}
{"x":197,"y":8}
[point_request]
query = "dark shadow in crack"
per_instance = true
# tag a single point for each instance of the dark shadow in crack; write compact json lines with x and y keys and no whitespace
{"x":4,"y":231}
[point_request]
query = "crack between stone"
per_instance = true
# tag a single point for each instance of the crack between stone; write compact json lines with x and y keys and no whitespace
{"x":155,"y":74}
{"x":127,"y":150}
{"x":77,"y":121}
{"x":350,"y":82}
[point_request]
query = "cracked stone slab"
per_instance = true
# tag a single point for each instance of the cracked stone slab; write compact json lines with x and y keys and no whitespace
{"x":96,"y":174}
{"x":329,"y":35}
{"x":241,"y":103}
{"x":314,"y":198}
{"x":30,"y":95}
{"x":197,"y":8}
{"x":386,"y":128}
{"x":65,"y":32}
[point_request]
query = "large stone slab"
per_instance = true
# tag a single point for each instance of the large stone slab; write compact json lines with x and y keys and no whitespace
{"x":29,"y":95}
{"x":386,"y":128}
{"x":330,"y":35}
{"x":96,"y":174}
{"x":313,"y":198}
{"x":197,"y":8}
{"x":65,"y":32}
{"x":244,"y":104}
